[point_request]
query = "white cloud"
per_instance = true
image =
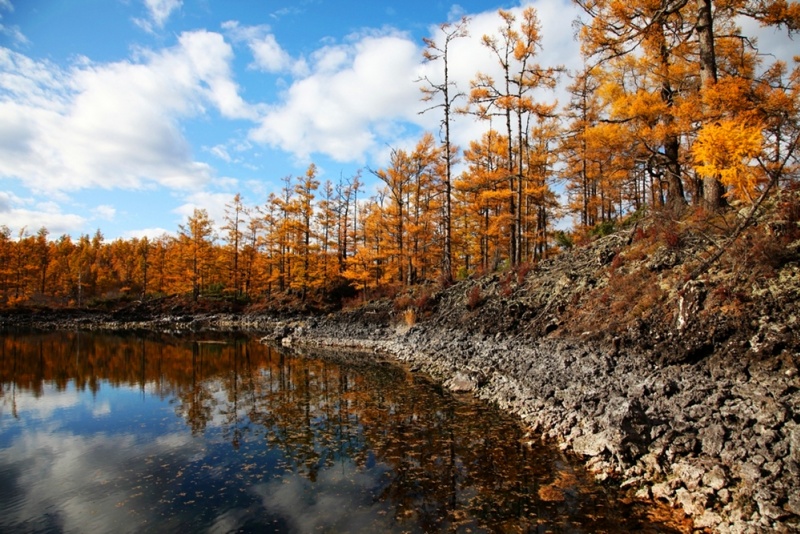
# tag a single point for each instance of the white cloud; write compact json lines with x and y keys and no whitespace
{"x":114,"y":125}
{"x":41,"y":407}
{"x":76,"y":476}
{"x":468,"y":57}
{"x":221,"y":152}
{"x":158,"y":11}
{"x":771,"y":41}
{"x":354,"y":92}
{"x":14,"y":33}
{"x":339,"y":501}
{"x":18,"y":214}
{"x":361,"y":96}
{"x":104,"y":212}
{"x":213,"y":203}
{"x":268,"y":55}
{"x":149,"y":233}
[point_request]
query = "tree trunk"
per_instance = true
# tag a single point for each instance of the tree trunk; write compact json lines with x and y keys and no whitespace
{"x":712,"y":187}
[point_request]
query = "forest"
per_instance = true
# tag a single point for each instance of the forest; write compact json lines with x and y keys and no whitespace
{"x":675,"y":112}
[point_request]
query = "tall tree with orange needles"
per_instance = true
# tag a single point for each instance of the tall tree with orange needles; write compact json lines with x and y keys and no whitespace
{"x":195,"y":240}
{"x":510,"y":98}
{"x":689,"y":26}
{"x":304,"y":189}
{"x":481,"y":188}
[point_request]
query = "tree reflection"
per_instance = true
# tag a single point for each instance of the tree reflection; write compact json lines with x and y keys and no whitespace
{"x":444,"y":463}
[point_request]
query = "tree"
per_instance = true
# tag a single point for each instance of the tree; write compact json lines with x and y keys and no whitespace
{"x":252,"y":250}
{"x":234,"y":219}
{"x":511,"y":98}
{"x":482,"y":189}
{"x":657,"y":31}
{"x":326,"y":218}
{"x":6,"y":255}
{"x":584,"y":111}
{"x":306,"y":185}
{"x":617,"y":29}
{"x":144,"y":266}
{"x":43,"y":257}
{"x":434,"y":52}
{"x":195,"y":239}
{"x":347,"y":194}
{"x":725,"y":151}
{"x":397,"y":179}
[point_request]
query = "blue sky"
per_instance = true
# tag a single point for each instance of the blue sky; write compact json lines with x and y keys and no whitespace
{"x":125,"y":115}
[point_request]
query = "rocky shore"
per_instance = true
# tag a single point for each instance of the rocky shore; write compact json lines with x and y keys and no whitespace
{"x":718,"y":439}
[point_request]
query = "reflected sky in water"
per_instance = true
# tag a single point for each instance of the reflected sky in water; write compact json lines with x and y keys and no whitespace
{"x":109,"y":433}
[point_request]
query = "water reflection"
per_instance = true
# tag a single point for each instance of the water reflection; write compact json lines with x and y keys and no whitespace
{"x":116,"y":433}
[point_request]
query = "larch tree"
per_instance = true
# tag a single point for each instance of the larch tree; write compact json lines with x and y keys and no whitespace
{"x":446,"y":91}
{"x":6,"y":255}
{"x":195,"y":238}
{"x":234,"y":219}
{"x":347,"y":205}
{"x":646,"y":40}
{"x":397,"y":178}
{"x":304,"y":189}
{"x":325,"y":221}
{"x":285,"y":209}
{"x":511,"y":98}
{"x":428,"y":220}
{"x":483,"y":186}
{"x":583,"y":112}
{"x":143,"y":252}
{"x":62,"y":282}
{"x":43,"y":257}
{"x":251,"y":250}
{"x":617,"y":29}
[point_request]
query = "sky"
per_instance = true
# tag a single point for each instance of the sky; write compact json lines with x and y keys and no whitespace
{"x":126,"y":115}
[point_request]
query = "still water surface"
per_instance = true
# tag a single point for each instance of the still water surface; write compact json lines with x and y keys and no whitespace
{"x":146,"y":433}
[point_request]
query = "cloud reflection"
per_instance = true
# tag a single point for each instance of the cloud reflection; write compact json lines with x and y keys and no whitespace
{"x":341,"y":499}
{"x":84,"y":483}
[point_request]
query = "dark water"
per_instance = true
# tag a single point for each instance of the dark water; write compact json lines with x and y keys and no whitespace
{"x":109,"y":433}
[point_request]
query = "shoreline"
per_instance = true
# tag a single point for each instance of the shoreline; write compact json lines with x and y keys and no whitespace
{"x":703,"y":437}
{"x":717,"y":438}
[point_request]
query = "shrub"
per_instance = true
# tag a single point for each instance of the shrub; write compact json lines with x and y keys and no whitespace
{"x":671,"y":238}
{"x":403,"y":302}
{"x":617,"y":262}
{"x":424,"y":301}
{"x":474,"y":297}
{"x":564,"y":240}
{"x":522,"y":271}
{"x":603,"y":229}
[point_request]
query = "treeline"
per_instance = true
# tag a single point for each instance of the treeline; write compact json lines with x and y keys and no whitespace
{"x":674,"y":108}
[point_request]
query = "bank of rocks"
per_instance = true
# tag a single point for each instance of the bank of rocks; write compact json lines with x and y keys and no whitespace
{"x":718,"y":439}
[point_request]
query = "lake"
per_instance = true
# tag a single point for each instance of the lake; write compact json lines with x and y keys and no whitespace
{"x":217,"y":433}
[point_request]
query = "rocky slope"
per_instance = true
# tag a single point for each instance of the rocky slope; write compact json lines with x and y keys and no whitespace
{"x":679,"y":382}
